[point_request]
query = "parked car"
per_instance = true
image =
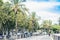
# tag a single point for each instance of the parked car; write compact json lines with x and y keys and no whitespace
{"x":35,"y":33}
{"x":8,"y":36}
{"x":19,"y":35}
{"x":44,"y":33}
{"x":1,"y":36}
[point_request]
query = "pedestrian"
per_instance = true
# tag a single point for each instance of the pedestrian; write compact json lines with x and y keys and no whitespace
{"x":49,"y":32}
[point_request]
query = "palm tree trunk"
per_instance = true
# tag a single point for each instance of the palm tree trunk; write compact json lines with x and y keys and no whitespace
{"x":3,"y":31}
{"x":16,"y":22}
{"x":16,"y":29}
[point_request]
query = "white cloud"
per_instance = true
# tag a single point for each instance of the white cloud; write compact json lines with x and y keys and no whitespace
{"x":5,"y":0}
{"x":40,"y":5}
{"x":41,"y":9}
{"x":44,"y":0}
{"x":49,"y":16}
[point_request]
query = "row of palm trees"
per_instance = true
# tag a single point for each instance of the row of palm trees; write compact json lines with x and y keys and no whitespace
{"x":13,"y":16}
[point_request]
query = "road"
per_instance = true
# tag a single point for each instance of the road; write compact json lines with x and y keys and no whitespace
{"x":44,"y":37}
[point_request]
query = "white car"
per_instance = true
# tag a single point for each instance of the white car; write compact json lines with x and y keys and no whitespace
{"x":35,"y":33}
{"x":44,"y":33}
{"x":1,"y":37}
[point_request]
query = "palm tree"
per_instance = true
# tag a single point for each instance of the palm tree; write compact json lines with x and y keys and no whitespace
{"x":0,"y":9}
{"x":3,"y":17}
{"x":47,"y":24}
{"x":17,"y":6}
{"x":33,"y":22}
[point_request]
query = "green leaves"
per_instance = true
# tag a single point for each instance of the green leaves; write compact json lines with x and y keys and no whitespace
{"x":47,"y":23}
{"x":11,"y":16}
{"x":14,"y":1}
{"x":56,"y":27}
{"x":1,"y":2}
{"x":14,"y":13}
{"x":3,"y":17}
{"x":33,"y":22}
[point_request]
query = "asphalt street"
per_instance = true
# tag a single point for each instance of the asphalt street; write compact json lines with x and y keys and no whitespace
{"x":44,"y":37}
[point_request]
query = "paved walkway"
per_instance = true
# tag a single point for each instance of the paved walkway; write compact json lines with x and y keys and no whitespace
{"x":45,"y":37}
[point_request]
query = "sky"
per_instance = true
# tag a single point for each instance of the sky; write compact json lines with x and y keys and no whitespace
{"x":46,"y":9}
